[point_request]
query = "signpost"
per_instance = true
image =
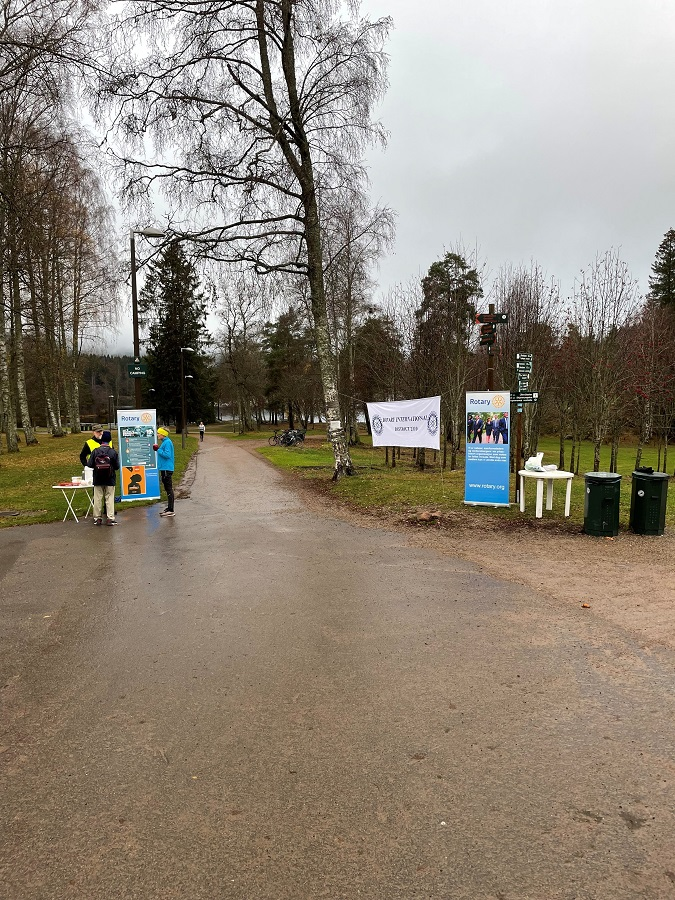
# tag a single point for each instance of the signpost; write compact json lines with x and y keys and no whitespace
{"x":488,"y":322}
{"x":137,"y":369}
{"x":522,"y":395}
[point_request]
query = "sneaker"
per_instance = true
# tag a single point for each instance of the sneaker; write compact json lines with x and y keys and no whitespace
{"x":97,"y":521}
{"x":164,"y":512}
{"x":112,"y":521}
{"x":168,"y":513}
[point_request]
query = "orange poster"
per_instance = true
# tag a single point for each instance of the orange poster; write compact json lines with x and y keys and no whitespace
{"x":133,"y":481}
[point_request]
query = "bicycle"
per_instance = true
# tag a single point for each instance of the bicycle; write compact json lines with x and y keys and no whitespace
{"x":287,"y":438}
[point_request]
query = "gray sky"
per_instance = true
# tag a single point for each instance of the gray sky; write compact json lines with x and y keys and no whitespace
{"x":537,"y":129}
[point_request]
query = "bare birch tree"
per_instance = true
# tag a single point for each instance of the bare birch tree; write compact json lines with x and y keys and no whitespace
{"x":534,"y":315}
{"x":266,"y":105}
{"x":605,"y":297}
{"x":354,"y":237}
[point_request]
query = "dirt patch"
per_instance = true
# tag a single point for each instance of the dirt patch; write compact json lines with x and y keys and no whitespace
{"x":627,"y":580}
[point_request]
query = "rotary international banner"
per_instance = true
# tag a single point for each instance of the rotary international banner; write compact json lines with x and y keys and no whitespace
{"x":137,"y":432}
{"x":487,"y":448}
{"x":406,"y":423}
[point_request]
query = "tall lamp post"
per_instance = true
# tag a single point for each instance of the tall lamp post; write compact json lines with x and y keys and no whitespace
{"x":183,"y":376}
{"x":111,"y":398}
{"x":146,"y":232}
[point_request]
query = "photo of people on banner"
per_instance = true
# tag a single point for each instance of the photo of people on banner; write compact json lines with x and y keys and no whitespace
{"x":487,"y":428}
{"x":487,"y":448}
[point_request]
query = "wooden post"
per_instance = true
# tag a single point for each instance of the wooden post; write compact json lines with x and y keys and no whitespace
{"x":519,"y":450}
{"x":490,"y":371}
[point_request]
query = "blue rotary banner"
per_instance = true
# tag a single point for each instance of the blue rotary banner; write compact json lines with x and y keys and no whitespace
{"x":487,"y":448}
{"x":136,"y":433}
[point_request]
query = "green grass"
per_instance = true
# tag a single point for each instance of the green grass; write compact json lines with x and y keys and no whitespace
{"x":26,"y":478}
{"x":405,"y":488}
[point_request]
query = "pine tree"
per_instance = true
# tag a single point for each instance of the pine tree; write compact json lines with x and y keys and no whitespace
{"x":662,"y":281}
{"x":173,"y":310}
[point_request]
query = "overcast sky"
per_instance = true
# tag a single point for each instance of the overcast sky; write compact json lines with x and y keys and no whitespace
{"x":537,"y":129}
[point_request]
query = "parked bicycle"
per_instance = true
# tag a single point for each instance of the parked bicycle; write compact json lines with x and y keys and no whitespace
{"x":287,"y":438}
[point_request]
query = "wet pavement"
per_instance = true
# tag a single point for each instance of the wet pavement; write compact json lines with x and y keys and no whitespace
{"x":255,"y":701}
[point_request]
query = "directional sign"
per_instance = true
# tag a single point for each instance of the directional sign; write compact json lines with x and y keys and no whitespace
{"x":524,"y":356}
{"x":487,"y":339}
{"x":491,"y":318}
{"x":523,"y":367}
{"x":136,"y":370}
{"x":487,"y":329}
{"x":525,"y":397}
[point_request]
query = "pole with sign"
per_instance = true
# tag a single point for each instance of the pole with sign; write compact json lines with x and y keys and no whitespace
{"x":522,"y":395}
{"x":488,"y":322}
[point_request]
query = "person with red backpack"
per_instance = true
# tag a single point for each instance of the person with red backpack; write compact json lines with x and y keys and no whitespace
{"x":106,"y":463}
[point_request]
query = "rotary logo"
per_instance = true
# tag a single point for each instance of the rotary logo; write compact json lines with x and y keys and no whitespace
{"x":377,"y":425}
{"x":498,"y":401}
{"x":146,"y":417}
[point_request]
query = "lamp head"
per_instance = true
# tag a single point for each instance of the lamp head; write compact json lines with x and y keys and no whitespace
{"x":149,"y":232}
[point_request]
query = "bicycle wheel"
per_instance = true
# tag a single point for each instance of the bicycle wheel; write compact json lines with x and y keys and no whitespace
{"x":272,"y":440}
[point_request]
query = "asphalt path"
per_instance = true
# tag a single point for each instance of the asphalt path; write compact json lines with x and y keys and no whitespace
{"x":257,"y":700}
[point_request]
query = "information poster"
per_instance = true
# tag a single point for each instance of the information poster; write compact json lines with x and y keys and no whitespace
{"x":133,"y":482}
{"x":136,"y":433}
{"x":488,"y":428}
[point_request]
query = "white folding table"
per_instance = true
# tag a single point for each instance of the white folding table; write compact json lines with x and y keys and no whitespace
{"x":74,"y":488}
{"x":549,"y":478}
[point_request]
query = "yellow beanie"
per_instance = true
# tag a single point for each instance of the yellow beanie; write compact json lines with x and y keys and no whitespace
{"x":163,"y":432}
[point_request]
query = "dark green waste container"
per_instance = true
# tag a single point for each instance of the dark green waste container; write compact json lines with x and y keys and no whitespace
{"x":648,"y":502}
{"x":601,"y":504}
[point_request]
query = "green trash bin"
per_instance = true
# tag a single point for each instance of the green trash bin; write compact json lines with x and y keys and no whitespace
{"x":601,"y":503}
{"x":648,"y":502}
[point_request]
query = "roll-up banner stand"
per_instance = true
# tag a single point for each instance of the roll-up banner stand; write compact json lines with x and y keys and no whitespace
{"x":136,"y":433}
{"x":487,"y":448}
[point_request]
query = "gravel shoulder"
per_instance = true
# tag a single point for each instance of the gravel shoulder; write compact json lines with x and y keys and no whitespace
{"x":628,"y":581}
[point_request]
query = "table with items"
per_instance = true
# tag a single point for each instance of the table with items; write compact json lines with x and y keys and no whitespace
{"x":549,"y":477}
{"x":69,"y":489}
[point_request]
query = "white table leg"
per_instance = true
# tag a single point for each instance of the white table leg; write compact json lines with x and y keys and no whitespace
{"x":540,"y":498}
{"x":549,"y":493}
{"x":522,"y":493}
{"x":90,"y":496}
{"x":568,"y":496}
{"x":69,"y":501}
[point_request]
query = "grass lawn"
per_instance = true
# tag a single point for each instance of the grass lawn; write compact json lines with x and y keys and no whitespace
{"x":405,"y":489}
{"x":26,"y":478}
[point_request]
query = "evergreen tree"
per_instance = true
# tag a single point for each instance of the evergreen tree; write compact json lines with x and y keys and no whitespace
{"x":443,"y":327}
{"x":173,"y":310}
{"x":662,"y":281}
{"x":292,"y":377}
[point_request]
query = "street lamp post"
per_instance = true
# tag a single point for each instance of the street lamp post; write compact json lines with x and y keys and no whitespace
{"x":111,"y":398}
{"x":182,"y":394}
{"x":146,"y":232}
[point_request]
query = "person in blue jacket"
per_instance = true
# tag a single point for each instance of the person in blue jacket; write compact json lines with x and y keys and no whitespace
{"x":165,"y":464}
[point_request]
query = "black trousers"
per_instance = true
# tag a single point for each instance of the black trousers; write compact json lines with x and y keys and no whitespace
{"x":167,"y":483}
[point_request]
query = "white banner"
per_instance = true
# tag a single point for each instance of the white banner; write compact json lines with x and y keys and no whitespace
{"x":406,"y":423}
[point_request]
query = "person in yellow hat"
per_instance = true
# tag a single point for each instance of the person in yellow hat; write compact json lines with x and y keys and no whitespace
{"x":165,"y":465}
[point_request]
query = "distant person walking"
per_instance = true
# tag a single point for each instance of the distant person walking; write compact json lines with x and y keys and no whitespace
{"x":165,"y":464}
{"x":202,"y":429}
{"x":106,"y":463}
